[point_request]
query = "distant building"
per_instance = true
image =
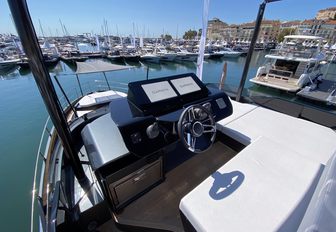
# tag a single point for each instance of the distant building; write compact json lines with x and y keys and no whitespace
{"x":326,"y":14}
{"x":323,"y":25}
{"x":216,"y":29}
{"x":294,"y":25}
{"x":231,"y":33}
{"x":327,"y":30}
{"x":269,"y":31}
{"x":306,"y":27}
{"x":323,"y":28}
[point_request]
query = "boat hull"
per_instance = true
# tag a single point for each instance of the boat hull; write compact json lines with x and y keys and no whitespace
{"x":215,"y":56}
{"x":231,"y":55}
{"x":117,"y":58}
{"x":8,"y":64}
{"x":49,"y":63}
{"x":74,"y":59}
{"x":168,"y":57}
{"x":150,"y":59}
{"x":184,"y":57}
{"x":132,"y":58}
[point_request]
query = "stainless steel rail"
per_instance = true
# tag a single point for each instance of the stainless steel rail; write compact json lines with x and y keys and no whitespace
{"x":47,"y":212}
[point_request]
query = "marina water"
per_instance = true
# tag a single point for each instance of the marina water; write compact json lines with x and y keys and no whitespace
{"x":22,"y":117}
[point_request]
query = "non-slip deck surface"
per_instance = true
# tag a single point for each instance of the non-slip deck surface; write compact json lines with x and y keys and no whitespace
{"x":321,"y":93}
{"x":160,"y":206}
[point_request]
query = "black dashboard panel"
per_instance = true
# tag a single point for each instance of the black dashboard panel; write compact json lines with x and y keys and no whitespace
{"x":139,"y":111}
{"x":171,"y":92}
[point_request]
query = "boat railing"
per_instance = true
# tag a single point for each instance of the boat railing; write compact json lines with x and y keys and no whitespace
{"x":40,"y":202}
{"x":47,"y":188}
{"x":280,"y":74}
{"x":75,"y":93}
{"x":292,"y":53}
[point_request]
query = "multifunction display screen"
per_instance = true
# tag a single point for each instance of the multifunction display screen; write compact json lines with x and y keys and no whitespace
{"x":163,"y":90}
{"x":185,"y":85}
{"x":159,"y":91}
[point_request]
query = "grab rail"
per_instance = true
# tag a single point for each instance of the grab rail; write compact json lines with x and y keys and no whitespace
{"x":39,"y":155}
{"x":48,"y":205}
{"x":293,"y":53}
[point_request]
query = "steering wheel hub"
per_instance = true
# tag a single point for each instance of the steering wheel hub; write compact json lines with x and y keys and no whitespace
{"x":197,"y":129}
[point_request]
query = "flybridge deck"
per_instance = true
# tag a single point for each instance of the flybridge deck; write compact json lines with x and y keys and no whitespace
{"x":265,"y":159}
{"x":258,"y":154}
{"x":134,"y":160}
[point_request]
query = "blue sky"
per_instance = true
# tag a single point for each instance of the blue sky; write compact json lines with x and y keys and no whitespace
{"x":152,"y":17}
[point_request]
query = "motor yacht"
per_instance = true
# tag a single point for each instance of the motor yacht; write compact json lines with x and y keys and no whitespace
{"x":298,"y":62}
{"x":7,"y":63}
{"x":164,"y":54}
{"x":229,"y":53}
{"x":148,"y":55}
{"x":184,"y":55}
{"x":175,"y":154}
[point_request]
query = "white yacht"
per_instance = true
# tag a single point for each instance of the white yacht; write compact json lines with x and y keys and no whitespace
{"x":184,"y":55}
{"x":175,"y":154}
{"x":8,"y":63}
{"x":164,"y":54}
{"x":229,"y":53}
{"x":148,"y":55}
{"x":297,"y":62}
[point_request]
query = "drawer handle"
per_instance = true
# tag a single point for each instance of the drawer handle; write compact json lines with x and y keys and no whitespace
{"x":136,"y":179}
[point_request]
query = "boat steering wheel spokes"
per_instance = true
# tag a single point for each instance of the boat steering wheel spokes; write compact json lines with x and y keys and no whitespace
{"x":196,"y":128}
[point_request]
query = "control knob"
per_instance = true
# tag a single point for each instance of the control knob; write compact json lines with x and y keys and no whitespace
{"x":153,"y":130}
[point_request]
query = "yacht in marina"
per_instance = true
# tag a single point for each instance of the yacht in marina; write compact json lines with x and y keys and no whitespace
{"x":229,"y":53}
{"x":183,"y":55}
{"x":322,"y":89}
{"x":7,"y":63}
{"x":176,"y":154}
{"x":296,"y":63}
{"x":69,"y":53}
{"x":114,"y":55}
{"x":9,"y":58}
{"x":164,"y":54}
{"x":50,"y":60}
{"x":148,"y":55}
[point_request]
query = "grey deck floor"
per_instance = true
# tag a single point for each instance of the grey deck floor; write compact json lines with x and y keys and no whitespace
{"x":321,"y":93}
{"x":159,"y":208}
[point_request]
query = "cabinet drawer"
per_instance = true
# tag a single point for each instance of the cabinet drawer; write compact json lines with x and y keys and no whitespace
{"x":136,"y":182}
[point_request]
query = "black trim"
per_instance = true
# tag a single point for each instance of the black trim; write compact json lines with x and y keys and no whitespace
{"x":187,"y":226}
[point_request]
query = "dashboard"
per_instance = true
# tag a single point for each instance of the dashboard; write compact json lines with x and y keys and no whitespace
{"x":125,"y":143}
{"x":148,"y":117}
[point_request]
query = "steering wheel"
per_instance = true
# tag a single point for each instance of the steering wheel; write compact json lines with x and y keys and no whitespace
{"x":196,"y":128}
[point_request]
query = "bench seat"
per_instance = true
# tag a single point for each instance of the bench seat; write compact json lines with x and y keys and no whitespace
{"x":260,"y":189}
{"x":270,"y":183}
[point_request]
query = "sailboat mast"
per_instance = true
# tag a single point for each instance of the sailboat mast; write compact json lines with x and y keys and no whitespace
{"x":133,"y":42}
{"x":62,"y":27}
{"x":41,"y":28}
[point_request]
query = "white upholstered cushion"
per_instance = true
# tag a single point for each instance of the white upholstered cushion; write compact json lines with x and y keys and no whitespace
{"x":321,"y":212}
{"x":309,"y":139}
{"x":272,"y":186}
